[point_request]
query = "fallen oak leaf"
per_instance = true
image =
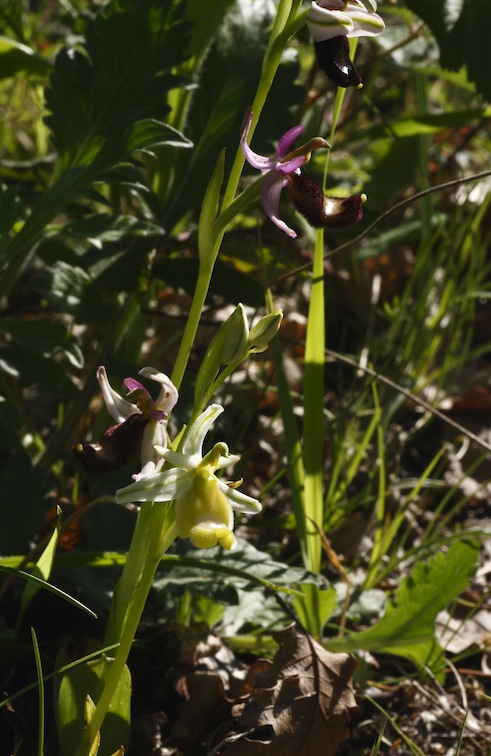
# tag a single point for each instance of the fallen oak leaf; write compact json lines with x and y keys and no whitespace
{"x":297,"y":705}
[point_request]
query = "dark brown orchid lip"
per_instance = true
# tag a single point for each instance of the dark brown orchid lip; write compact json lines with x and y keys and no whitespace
{"x":333,"y":57}
{"x":320,"y":211}
{"x":115,"y":447}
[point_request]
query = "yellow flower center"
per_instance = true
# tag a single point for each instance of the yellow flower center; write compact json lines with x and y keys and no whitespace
{"x":204,"y":514}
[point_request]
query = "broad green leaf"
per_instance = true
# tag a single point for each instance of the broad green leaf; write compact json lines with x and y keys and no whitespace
{"x":315,"y":607}
{"x":107,"y":228}
{"x":121,"y":77}
{"x":205,"y":19}
{"x":104,"y":103}
{"x":150,"y":133}
{"x":244,"y":568}
{"x":62,"y":284}
{"x":408,"y":625}
{"x":461,"y":29}
{"x":71,"y":693}
{"x":32,"y":368}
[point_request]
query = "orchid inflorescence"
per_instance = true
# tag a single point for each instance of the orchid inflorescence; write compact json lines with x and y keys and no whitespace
{"x":331,"y":23}
{"x":204,"y":504}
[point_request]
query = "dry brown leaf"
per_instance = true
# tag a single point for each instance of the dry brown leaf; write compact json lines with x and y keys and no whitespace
{"x":204,"y":710}
{"x":297,"y":705}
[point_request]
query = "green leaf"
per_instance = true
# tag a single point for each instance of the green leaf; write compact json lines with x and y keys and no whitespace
{"x":104,"y":103}
{"x":151,"y":133}
{"x":316,"y":603}
{"x":408,"y":625}
{"x":62,"y":284}
{"x":18,"y":58}
{"x":41,"y":695}
{"x":121,"y":77}
{"x":205,"y":19}
{"x":209,"y":211}
{"x":227,"y":84}
{"x":42,"y":568}
{"x":107,"y":228}
{"x":48,"y":586}
{"x":71,"y":694}
{"x":461,"y":29}
{"x":44,"y":337}
{"x":244,"y":568}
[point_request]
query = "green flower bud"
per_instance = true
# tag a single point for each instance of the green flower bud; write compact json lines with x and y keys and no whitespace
{"x":236,"y":332}
{"x":263,"y":331}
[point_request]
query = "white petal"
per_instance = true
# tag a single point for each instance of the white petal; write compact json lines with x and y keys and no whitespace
{"x":118,"y":407}
{"x":240,"y":501}
{"x":326,"y":24}
{"x":198,"y":430}
{"x":151,"y":459}
{"x":168,"y":395}
{"x":186,"y":461}
{"x":366,"y":23}
{"x":163,"y":486}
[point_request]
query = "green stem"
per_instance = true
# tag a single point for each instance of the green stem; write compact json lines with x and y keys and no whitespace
{"x":143,"y":559}
{"x":283,"y":28}
{"x":194,"y":317}
{"x":313,"y":401}
{"x":281,"y":32}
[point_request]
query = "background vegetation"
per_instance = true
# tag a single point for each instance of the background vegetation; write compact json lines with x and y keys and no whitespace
{"x":113,"y":118}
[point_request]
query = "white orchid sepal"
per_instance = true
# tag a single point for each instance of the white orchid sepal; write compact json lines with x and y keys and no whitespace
{"x":331,"y":18}
{"x":204,"y":504}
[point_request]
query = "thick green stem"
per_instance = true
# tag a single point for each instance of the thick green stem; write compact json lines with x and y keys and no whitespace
{"x":156,"y":525}
{"x":313,"y":399}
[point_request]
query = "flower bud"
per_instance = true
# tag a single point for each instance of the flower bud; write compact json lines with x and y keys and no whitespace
{"x":321,"y":211}
{"x":236,"y":332}
{"x":262,"y":333}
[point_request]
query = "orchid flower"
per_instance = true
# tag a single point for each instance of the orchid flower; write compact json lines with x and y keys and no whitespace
{"x":278,"y":168}
{"x":204,"y":504}
{"x":286,"y":170}
{"x":140,"y":421}
{"x":332,"y":23}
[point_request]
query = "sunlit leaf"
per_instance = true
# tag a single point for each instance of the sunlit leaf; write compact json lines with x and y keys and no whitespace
{"x":408,"y":625}
{"x":462,"y":32}
{"x":71,"y":692}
